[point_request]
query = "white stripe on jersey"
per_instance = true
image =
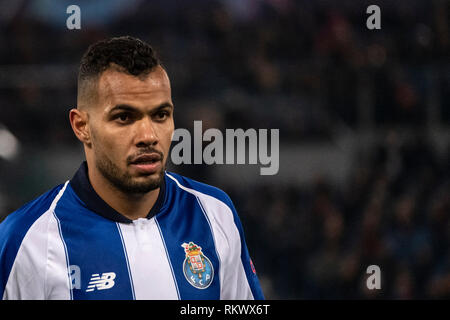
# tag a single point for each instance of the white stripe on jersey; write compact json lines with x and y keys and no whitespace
{"x":149,"y":265}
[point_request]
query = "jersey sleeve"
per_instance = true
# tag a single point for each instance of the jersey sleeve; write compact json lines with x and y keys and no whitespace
{"x":26,"y":281}
{"x":24,"y":250}
{"x":24,"y":275}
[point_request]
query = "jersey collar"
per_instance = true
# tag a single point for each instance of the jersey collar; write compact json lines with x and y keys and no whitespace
{"x":82,"y":186}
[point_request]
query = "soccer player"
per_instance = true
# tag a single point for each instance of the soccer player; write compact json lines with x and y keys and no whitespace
{"x":123,"y":227}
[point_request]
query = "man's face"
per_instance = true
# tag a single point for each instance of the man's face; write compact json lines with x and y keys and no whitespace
{"x":131,"y":129}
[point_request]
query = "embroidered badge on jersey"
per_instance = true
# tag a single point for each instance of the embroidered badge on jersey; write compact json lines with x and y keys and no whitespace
{"x":197,"y":268}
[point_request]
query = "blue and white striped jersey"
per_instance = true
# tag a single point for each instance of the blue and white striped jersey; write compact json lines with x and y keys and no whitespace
{"x":70,"y":244}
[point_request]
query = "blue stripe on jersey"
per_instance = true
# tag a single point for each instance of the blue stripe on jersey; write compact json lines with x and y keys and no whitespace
{"x":95,"y":246}
{"x":168,"y":258}
{"x":245,"y":256}
{"x":14,"y":228}
{"x":184,"y":223}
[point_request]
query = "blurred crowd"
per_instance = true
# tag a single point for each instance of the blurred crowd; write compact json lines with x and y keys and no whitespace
{"x":304,"y":67}
{"x":317,"y":242}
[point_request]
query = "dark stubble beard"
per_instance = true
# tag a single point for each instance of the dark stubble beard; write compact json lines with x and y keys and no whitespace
{"x":123,"y":181}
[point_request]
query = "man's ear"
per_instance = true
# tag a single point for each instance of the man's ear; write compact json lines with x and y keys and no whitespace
{"x":79,"y":122}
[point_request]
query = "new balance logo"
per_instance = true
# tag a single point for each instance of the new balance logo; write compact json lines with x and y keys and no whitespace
{"x":105,"y":281}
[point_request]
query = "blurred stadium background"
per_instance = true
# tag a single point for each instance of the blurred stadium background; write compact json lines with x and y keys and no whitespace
{"x":363,"y":116}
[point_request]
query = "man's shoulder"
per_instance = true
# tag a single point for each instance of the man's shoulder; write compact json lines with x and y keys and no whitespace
{"x":16,"y":224}
{"x":15,"y":228}
{"x":190,"y":185}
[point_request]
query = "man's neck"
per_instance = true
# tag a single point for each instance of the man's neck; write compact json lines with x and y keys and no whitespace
{"x":132,"y":206}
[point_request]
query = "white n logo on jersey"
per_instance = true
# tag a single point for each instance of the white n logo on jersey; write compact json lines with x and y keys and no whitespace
{"x":105,"y":281}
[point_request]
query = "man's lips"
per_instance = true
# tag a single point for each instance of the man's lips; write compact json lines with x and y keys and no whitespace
{"x":146,"y":158}
{"x":147,"y":163}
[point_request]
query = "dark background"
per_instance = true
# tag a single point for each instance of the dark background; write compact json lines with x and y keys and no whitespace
{"x":363,"y":117}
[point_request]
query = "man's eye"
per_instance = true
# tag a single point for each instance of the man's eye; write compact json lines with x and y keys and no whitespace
{"x":162,"y":115}
{"x":123,"y":117}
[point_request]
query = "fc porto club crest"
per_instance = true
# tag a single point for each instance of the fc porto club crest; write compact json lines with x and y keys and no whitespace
{"x":197,"y":268}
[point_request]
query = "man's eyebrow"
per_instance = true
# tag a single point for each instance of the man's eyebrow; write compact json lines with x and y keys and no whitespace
{"x":127,"y":107}
{"x":123,"y":107}
{"x":164,"y":105}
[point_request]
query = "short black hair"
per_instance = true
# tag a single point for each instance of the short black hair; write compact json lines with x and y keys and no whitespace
{"x":128,"y":54}
{"x":134,"y":55}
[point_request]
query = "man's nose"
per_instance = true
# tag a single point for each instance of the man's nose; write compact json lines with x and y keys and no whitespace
{"x":146,"y":133}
